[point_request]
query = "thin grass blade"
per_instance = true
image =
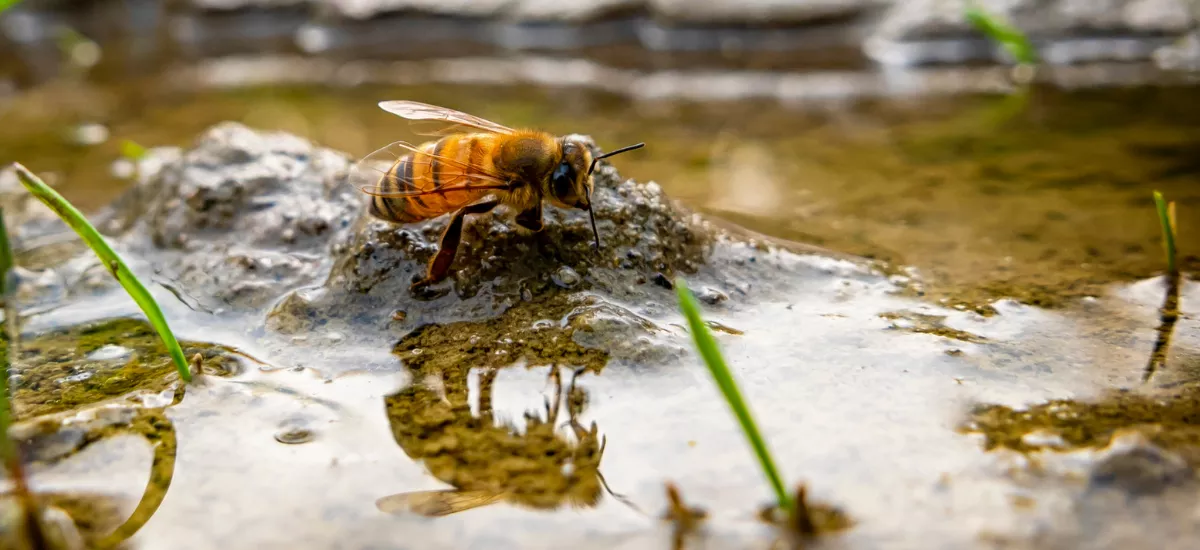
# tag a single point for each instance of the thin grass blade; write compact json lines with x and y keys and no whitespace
{"x":1008,"y":36}
{"x":132,"y":150}
{"x":7,"y":452}
{"x":1167,"y":219}
{"x":112,"y":261}
{"x":711,"y":353}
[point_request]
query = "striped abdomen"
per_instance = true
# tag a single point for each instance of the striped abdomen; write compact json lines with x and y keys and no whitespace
{"x":421,"y":172}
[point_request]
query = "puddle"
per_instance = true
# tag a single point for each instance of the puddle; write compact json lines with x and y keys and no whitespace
{"x":867,"y":416}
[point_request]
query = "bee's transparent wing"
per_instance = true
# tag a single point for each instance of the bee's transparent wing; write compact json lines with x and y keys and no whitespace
{"x":436,"y":503}
{"x":374,"y":174}
{"x":430,"y":115}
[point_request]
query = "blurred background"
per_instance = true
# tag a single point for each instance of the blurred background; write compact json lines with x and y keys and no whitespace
{"x":891,"y":129}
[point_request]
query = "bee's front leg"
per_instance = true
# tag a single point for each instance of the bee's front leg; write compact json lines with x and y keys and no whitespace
{"x":531,"y":218}
{"x":439,"y":267}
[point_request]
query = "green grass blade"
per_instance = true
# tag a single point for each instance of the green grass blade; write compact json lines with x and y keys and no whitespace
{"x":1167,"y":220}
{"x":1008,"y":36}
{"x":112,"y":261}
{"x":7,"y":453}
{"x":132,"y":150}
{"x":5,"y":4}
{"x":707,"y":346}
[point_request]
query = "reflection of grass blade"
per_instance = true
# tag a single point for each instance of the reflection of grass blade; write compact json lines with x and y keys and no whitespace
{"x":112,"y":261}
{"x":707,"y":346}
{"x":1166,"y":217}
{"x":1169,"y":312}
{"x":159,"y":431}
{"x":1003,"y":33}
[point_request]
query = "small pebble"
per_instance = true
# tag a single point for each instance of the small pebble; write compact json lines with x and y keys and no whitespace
{"x":566,"y":277}
{"x":1141,"y":470}
{"x":399,"y":315}
{"x":662,"y":280}
{"x":109,"y":352}
{"x":89,"y":134}
{"x":294,"y":431}
{"x":294,"y":436}
{"x":711,"y":296}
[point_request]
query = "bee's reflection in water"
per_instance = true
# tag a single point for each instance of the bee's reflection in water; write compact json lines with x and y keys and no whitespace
{"x":486,"y":462}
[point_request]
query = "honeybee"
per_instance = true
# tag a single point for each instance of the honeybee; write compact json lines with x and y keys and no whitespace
{"x":475,"y":167}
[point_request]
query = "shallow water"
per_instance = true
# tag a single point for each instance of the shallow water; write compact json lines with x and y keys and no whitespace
{"x":860,"y":409}
{"x":862,"y":384}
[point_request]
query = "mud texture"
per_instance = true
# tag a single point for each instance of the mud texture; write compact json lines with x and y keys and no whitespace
{"x":1169,"y":418}
{"x":240,"y":217}
{"x":87,"y":364}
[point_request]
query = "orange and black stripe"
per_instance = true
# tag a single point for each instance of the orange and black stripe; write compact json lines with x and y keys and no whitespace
{"x":418,"y":172}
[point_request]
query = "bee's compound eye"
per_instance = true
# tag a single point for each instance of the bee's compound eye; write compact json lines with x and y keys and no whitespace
{"x":564,"y":181}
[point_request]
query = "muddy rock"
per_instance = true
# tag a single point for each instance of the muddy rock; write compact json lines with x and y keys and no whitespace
{"x":1141,"y":469}
{"x":243,"y":216}
{"x":546,"y":298}
{"x":760,"y":11}
{"x":706,"y":11}
{"x":1183,"y":55}
{"x":499,"y":265}
{"x":508,"y":9}
{"x":1117,"y":30}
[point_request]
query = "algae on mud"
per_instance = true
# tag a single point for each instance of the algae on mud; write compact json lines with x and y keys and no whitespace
{"x":87,"y":364}
{"x":1168,"y":417}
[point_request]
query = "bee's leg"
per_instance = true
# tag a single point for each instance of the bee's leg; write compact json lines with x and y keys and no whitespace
{"x":531,"y":219}
{"x":439,"y":268}
{"x":487,"y":379}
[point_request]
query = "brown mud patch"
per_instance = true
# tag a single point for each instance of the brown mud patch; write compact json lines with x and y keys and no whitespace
{"x":923,"y":323}
{"x":1169,"y":418}
{"x":528,"y":331}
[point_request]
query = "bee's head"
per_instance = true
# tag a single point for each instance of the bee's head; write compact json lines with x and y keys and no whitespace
{"x":571,"y":181}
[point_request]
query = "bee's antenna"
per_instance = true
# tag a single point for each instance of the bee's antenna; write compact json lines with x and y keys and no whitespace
{"x":588,"y":192}
{"x":611,"y":153}
{"x":592,"y":215}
